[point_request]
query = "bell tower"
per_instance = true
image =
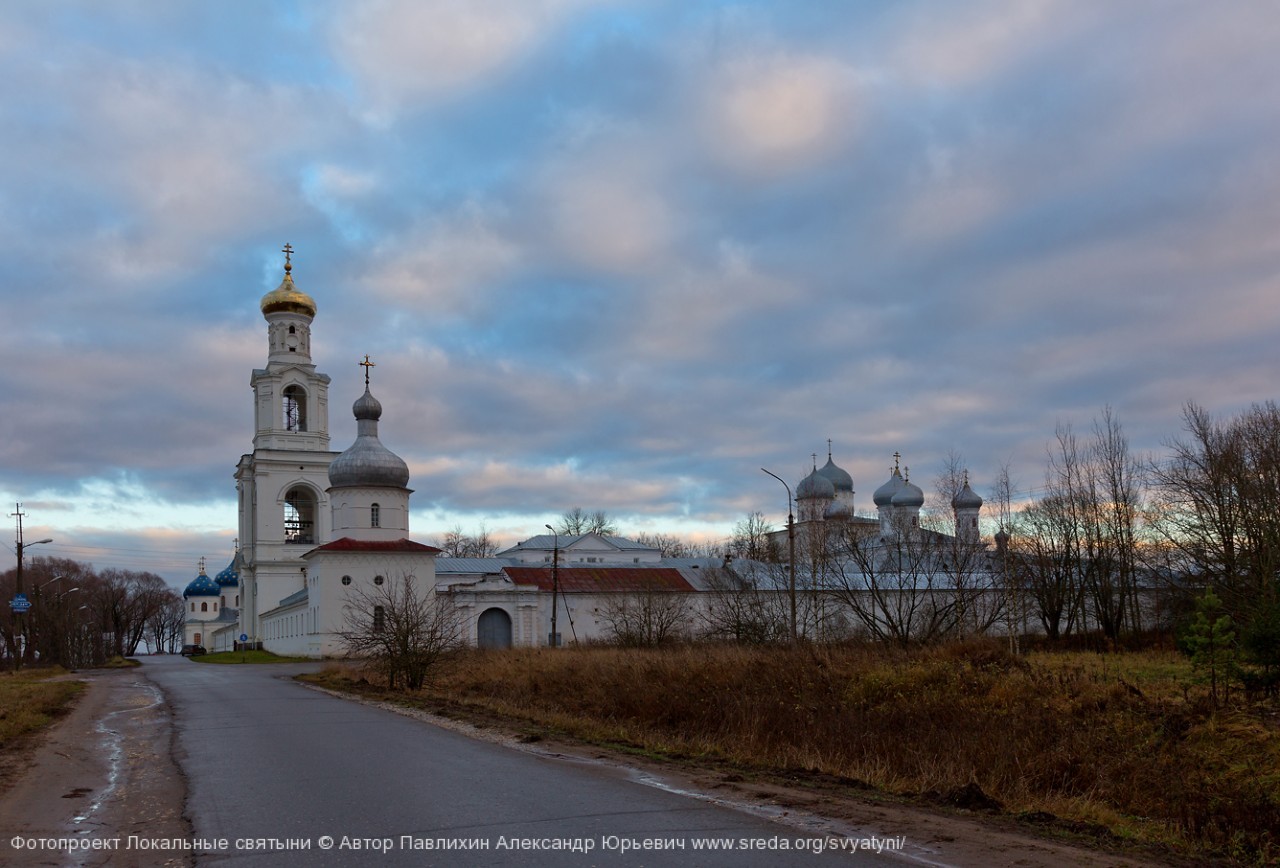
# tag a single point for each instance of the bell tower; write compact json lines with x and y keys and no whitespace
{"x":284,"y":507}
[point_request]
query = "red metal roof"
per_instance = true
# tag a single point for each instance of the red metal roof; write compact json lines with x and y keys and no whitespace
{"x":590,"y":579}
{"x":347,"y":544}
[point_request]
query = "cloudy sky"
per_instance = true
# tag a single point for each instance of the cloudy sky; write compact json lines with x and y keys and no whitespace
{"x":620,"y":255}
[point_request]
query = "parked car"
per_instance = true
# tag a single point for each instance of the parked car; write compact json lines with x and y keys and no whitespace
{"x":193,"y":650}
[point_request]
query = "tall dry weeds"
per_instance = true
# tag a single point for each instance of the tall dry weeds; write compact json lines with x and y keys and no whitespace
{"x":1044,"y":736}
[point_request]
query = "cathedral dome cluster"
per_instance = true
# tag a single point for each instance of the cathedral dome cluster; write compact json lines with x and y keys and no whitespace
{"x":826,"y":494}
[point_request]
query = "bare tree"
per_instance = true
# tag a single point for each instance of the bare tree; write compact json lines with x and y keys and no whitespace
{"x":745,"y":607}
{"x":577,"y":521}
{"x":1218,"y":505}
{"x":165,"y":626}
{"x":1002,"y":500}
{"x":895,"y":586}
{"x":403,"y":631}
{"x":961,"y":560}
{"x":650,"y":616}
{"x":1116,"y":479}
{"x":457,"y":543}
{"x":669,"y":545}
{"x":1077,"y":547}
{"x":752,"y":539}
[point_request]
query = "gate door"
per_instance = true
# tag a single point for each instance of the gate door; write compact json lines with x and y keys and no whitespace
{"x":494,"y":629}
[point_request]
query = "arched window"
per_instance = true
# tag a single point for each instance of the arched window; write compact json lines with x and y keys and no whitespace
{"x":379,"y":619}
{"x":224,"y":601}
{"x":375,"y":516}
{"x":237,"y":599}
{"x":193,"y":606}
{"x":299,"y":516}
{"x":295,"y":408}
{"x":204,"y":607}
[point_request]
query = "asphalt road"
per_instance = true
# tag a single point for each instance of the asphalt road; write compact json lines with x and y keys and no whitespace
{"x":270,"y":763}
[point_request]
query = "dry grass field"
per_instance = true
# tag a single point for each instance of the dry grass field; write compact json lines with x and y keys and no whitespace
{"x":31,"y":699}
{"x":1122,"y":743}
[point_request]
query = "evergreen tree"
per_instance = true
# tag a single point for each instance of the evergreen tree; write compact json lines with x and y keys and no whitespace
{"x":1210,"y":641}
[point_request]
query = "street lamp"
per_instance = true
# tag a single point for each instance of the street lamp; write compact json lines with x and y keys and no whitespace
{"x":555,"y":585}
{"x":791,"y":550}
{"x":51,"y":581}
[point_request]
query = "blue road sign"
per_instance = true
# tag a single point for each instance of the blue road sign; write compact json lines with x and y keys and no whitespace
{"x":244,"y":637}
{"x":19,"y":603}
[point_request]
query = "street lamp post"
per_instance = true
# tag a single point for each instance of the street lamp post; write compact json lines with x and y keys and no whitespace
{"x":555,"y":585}
{"x":21,"y":631}
{"x":791,"y":551}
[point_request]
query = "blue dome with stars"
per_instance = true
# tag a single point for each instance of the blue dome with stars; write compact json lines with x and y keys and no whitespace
{"x":230,"y":576}
{"x":202,"y":586}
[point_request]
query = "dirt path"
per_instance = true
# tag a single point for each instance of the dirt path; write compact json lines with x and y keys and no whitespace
{"x":101,"y":774}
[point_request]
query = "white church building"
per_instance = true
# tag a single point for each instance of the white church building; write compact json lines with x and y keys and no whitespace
{"x":322,"y":531}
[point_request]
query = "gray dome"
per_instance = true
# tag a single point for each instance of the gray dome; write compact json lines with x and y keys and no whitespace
{"x":815,"y":485}
{"x":367,"y":462}
{"x":967,"y":498}
{"x":909,"y":495}
{"x":884,"y":494}
{"x":839,"y":477}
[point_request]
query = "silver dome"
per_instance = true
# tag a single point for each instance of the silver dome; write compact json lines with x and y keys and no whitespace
{"x":367,"y":462}
{"x":839,"y":477}
{"x":967,"y":498}
{"x":815,"y":485}
{"x":909,"y":495}
{"x":884,"y":494}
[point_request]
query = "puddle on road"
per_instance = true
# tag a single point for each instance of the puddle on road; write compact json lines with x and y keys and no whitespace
{"x":113,"y":742}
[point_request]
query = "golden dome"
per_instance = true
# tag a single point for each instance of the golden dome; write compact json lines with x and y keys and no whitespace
{"x":287,"y":297}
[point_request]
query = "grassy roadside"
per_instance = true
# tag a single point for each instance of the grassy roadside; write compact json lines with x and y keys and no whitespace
{"x":31,"y":700}
{"x":247,"y":657}
{"x":1125,"y":746}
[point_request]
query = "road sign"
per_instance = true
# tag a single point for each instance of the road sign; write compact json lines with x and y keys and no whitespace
{"x":19,"y":603}
{"x":244,"y":637}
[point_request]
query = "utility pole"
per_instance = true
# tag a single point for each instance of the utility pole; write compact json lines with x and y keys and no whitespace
{"x":19,"y":605}
{"x":555,"y":586}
